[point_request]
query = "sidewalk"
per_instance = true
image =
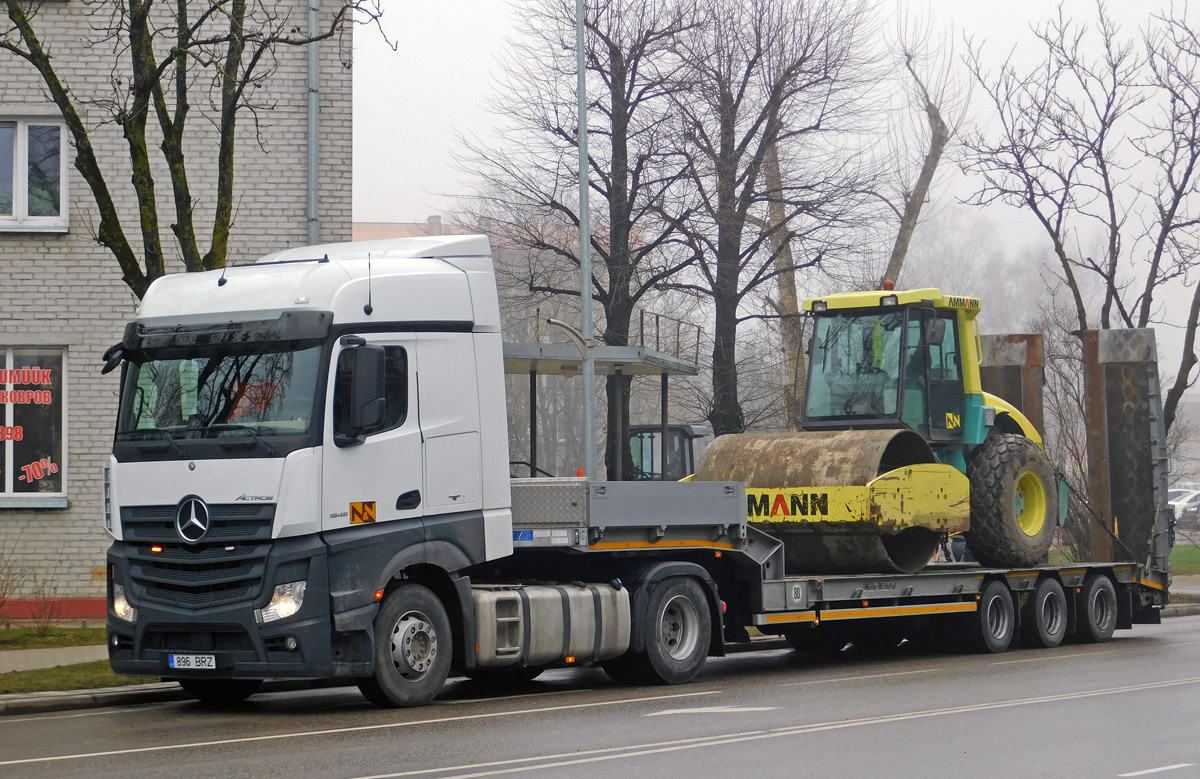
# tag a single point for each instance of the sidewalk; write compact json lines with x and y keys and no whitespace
{"x":41,"y":702}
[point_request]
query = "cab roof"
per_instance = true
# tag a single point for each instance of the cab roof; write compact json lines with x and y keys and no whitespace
{"x":876,"y":299}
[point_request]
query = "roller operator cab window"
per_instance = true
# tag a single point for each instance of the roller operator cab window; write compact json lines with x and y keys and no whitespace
{"x":855,"y":366}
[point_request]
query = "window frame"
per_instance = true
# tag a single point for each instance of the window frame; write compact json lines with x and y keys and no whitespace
{"x":20,"y":221}
{"x":22,"y":500}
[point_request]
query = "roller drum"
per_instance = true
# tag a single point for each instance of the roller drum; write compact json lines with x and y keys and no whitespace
{"x":849,"y":458}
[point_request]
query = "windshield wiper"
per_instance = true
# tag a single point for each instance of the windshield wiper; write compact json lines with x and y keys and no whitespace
{"x":248,"y":431}
{"x":165,"y":436}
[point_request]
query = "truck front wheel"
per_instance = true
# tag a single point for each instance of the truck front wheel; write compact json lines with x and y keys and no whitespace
{"x":412,"y":649}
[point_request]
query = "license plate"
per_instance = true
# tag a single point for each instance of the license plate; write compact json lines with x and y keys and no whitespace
{"x":192,"y":662}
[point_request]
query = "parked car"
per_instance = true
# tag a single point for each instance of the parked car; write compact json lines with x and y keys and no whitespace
{"x":1187,"y":509}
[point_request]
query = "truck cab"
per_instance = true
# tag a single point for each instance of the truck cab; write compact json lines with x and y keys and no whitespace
{"x":292,"y":433}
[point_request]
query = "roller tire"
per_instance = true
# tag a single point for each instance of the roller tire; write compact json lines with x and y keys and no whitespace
{"x":412,"y":649}
{"x":1044,"y":616}
{"x":220,"y":692}
{"x":996,"y":536}
{"x":1097,"y":610}
{"x":991,"y":627}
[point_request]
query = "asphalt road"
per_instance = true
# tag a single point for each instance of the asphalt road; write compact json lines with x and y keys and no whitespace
{"x":1127,"y":708}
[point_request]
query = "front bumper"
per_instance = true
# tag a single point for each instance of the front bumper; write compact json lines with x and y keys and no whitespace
{"x":243,"y":649}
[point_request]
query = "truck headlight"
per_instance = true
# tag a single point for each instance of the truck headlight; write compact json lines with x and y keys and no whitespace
{"x":120,"y":605}
{"x":285,"y":601}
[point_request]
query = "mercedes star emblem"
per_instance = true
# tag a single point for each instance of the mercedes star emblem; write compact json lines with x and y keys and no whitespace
{"x":192,"y":519}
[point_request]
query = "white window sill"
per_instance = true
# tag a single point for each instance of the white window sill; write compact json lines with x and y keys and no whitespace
{"x":19,"y":227}
{"x":33,"y":502}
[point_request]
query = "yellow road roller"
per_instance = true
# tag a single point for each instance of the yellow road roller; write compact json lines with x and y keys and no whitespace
{"x":900,"y":447}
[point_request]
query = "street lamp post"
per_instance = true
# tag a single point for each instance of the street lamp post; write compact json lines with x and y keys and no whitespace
{"x":585,"y":255}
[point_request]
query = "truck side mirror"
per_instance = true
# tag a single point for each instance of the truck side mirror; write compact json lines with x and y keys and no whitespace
{"x":367,"y":389}
{"x":935,"y":331}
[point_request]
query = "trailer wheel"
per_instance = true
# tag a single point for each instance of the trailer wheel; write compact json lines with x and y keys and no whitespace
{"x":1014,"y":502}
{"x":220,"y":692}
{"x":677,"y":628}
{"x":1099,"y":613}
{"x":993,"y":624}
{"x":412,"y":649}
{"x":1044,"y":617}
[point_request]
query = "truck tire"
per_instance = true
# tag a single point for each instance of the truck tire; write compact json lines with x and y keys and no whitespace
{"x":412,"y":649}
{"x":1014,"y":502}
{"x":678,"y":629}
{"x":1098,"y":612}
{"x":220,"y":692}
{"x":991,"y":628}
{"x":1044,"y":617}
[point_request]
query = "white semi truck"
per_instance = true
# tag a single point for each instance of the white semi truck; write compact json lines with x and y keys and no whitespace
{"x":310,"y":479}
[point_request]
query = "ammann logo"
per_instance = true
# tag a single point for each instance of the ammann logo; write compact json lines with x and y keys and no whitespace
{"x":795,"y":504}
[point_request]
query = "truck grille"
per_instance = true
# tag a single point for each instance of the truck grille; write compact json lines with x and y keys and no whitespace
{"x":227,"y":566}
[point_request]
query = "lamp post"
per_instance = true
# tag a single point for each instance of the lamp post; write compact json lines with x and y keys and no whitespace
{"x":585,"y":255}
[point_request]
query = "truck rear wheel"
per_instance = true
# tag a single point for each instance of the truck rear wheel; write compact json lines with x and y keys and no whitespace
{"x":992,"y":626}
{"x":678,"y":628}
{"x":1098,"y":616}
{"x":220,"y":692}
{"x":1044,"y":617}
{"x":412,"y":649}
{"x":1014,"y":502}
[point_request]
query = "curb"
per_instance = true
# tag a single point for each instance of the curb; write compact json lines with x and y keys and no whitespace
{"x":43,"y":702}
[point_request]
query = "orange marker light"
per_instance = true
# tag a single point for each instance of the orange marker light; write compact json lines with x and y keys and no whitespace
{"x":718,"y":554}
{"x":156,"y":549}
{"x":570,"y":659}
{"x":378,"y":594}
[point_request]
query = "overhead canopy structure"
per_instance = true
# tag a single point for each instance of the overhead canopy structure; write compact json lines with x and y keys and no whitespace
{"x":564,"y":359}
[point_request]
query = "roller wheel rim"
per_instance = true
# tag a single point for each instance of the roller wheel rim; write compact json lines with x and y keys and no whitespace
{"x":679,"y":627}
{"x":414,"y":645}
{"x":1029,"y":504}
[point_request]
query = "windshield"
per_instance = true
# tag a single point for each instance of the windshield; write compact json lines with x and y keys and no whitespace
{"x":855,"y":366}
{"x":261,"y":391}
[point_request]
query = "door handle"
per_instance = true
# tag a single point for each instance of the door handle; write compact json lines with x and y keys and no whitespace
{"x":409,"y":500}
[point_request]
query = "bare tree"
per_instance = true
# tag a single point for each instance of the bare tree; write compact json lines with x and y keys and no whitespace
{"x":1081,"y":134}
{"x":936,"y":95}
{"x":765,"y":74}
{"x":527,"y":181}
{"x":166,"y":59}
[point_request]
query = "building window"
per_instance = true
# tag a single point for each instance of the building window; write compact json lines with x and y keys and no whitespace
{"x":34,"y":430}
{"x":33,"y":175}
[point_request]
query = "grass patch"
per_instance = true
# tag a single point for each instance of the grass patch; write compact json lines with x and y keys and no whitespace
{"x":26,"y":638}
{"x":81,"y":676}
{"x":1185,"y":560}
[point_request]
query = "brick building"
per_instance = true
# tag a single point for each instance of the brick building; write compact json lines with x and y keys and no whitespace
{"x":62,"y":300}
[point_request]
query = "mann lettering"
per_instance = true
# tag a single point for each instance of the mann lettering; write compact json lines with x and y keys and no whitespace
{"x":779,"y":504}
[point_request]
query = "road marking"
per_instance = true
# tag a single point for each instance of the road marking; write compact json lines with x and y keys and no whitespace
{"x":712,"y":710}
{"x":856,"y":678}
{"x":355,"y":729}
{"x":520,"y":765}
{"x":1158,"y":770}
{"x":1052,"y":657}
{"x":102,"y":712}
